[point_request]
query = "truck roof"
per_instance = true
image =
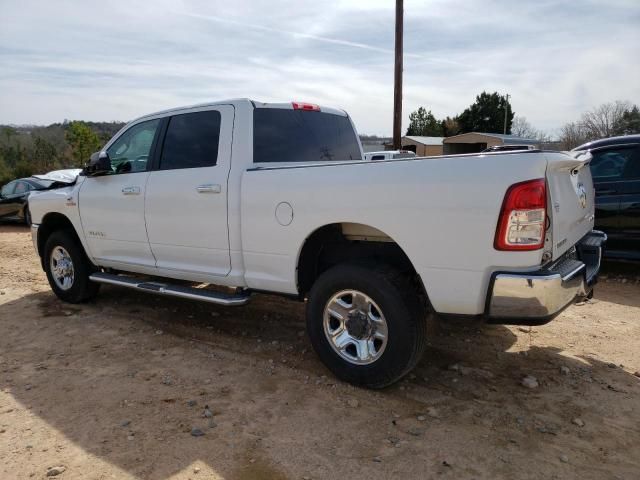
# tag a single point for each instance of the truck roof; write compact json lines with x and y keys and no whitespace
{"x":239,"y":101}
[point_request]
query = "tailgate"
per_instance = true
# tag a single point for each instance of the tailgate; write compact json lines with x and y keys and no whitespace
{"x":571,"y":199}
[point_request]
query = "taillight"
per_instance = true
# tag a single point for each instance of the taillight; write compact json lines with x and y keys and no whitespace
{"x":305,"y":106}
{"x":523,"y":217}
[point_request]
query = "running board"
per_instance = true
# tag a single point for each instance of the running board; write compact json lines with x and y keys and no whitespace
{"x":170,"y":290}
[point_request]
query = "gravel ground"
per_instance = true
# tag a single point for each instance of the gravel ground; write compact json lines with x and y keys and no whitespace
{"x":139,"y":386}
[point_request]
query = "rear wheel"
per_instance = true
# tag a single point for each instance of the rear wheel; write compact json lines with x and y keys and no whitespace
{"x":68,"y":268}
{"x":367,"y":324}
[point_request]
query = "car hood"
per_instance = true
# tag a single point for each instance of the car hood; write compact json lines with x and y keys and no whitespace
{"x":67,"y":176}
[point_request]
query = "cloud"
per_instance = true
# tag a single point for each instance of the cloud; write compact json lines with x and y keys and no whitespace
{"x":277,"y":31}
{"x":113,"y":60}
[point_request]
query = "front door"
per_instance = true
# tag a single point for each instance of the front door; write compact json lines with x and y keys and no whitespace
{"x":186,"y":197}
{"x":112,"y":205}
{"x":8,"y":203}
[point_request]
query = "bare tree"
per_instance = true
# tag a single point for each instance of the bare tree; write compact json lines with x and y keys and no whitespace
{"x":601,"y":121}
{"x":572,"y":135}
{"x":522,"y":128}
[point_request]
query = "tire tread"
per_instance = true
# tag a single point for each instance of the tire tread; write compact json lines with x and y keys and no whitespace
{"x":385,"y":276}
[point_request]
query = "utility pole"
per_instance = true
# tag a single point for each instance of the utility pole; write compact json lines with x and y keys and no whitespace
{"x":506,"y":109}
{"x":397,"y":84}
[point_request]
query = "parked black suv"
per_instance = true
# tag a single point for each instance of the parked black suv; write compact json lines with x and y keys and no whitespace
{"x":616,"y":176}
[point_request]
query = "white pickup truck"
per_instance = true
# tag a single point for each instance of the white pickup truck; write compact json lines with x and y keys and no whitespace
{"x":277,"y":198}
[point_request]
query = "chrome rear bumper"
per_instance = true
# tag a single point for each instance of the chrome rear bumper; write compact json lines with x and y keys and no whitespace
{"x":534,"y":298}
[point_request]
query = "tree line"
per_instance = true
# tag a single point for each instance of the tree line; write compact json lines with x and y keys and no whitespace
{"x":607,"y":120}
{"x":487,"y":114}
{"x":29,"y":150}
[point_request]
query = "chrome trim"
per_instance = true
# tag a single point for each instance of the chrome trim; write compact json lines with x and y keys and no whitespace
{"x":131,"y":190}
{"x":61,"y":268}
{"x":542,"y":294}
{"x":169,"y":290}
{"x":209,"y":188}
{"x":603,"y":239}
{"x":574,"y":272}
{"x":34,"y":236}
{"x":229,"y":302}
{"x":522,"y":295}
{"x":355,"y":327}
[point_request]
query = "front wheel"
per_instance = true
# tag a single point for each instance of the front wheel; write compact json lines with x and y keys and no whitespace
{"x":367,"y":325}
{"x":68,"y":268}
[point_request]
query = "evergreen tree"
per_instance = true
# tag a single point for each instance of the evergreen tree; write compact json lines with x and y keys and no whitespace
{"x":423,"y":123}
{"x":83,"y":142}
{"x":486,"y":114}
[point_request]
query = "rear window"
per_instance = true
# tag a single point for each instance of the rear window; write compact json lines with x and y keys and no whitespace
{"x":283,"y":135}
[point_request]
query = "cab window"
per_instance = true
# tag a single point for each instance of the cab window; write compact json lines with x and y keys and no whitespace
{"x":130,"y":152}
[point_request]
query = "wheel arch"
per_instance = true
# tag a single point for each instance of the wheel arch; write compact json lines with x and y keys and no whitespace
{"x":346,"y":242}
{"x":53,"y":222}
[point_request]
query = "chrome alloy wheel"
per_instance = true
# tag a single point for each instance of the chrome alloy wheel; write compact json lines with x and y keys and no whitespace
{"x":61,"y":267}
{"x":355,"y":327}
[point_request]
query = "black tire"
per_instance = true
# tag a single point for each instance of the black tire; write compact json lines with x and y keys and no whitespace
{"x":82,"y":289}
{"x":27,"y":216}
{"x":399,"y":302}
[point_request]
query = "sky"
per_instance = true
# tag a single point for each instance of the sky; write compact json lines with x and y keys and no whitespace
{"x":117,"y":60}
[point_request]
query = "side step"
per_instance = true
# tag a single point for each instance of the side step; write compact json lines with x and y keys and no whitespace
{"x":170,"y":290}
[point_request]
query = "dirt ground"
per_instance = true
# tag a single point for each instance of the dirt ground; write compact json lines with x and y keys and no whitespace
{"x":113,"y":389}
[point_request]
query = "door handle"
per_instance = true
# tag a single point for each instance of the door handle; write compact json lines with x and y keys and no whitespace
{"x":131,"y":190}
{"x":209,"y":188}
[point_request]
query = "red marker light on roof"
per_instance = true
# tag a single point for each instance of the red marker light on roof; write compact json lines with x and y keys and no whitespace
{"x":310,"y":107}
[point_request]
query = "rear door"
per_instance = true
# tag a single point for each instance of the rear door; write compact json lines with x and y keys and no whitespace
{"x":186,"y":195}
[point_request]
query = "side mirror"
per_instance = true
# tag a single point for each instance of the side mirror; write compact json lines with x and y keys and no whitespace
{"x":99,"y":164}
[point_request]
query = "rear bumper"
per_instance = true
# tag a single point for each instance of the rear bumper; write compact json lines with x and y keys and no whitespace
{"x":535,"y":298}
